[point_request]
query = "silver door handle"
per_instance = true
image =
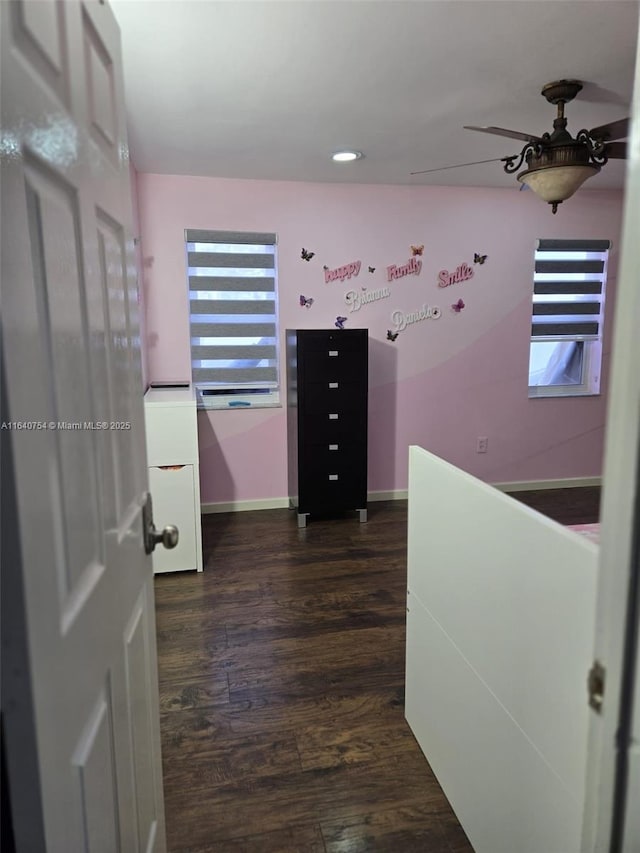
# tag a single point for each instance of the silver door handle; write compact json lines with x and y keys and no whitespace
{"x":168,"y":536}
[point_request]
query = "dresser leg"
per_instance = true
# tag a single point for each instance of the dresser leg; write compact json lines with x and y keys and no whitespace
{"x":363,"y":515}
{"x":302,"y":519}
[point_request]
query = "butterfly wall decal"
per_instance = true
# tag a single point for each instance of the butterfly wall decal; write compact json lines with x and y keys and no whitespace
{"x":417,"y":250}
{"x":325,"y":267}
{"x":304,"y":302}
{"x":391,"y":336}
{"x":340,"y":321}
{"x":479,"y":259}
{"x":306,"y":255}
{"x":372,"y":269}
{"x":458,"y":306}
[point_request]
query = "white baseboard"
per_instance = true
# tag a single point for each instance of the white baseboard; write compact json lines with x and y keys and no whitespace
{"x":244,"y":506}
{"x":283,"y":503}
{"x":393,"y":495}
{"x":534,"y":485}
{"x":402,"y":494}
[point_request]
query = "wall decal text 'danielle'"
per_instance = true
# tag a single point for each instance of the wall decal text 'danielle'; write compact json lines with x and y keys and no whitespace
{"x":340,"y":273}
{"x":355,"y":300}
{"x":402,"y":319}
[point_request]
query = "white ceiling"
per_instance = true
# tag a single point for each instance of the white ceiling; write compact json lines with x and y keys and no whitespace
{"x":267,"y":89}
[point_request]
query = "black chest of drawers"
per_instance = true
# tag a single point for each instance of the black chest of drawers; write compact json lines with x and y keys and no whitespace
{"x":327,"y":383}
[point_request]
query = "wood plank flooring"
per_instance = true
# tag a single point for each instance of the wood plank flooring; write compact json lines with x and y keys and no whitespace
{"x":281,"y":686}
{"x":568,"y":506}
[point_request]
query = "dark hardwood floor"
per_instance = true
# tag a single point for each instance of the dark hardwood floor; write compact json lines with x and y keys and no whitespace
{"x":281,"y":685}
{"x":568,"y":506}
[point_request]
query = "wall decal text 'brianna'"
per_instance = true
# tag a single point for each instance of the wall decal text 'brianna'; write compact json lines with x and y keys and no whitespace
{"x":412,"y":267}
{"x":355,"y":300}
{"x":401,"y":320}
{"x":340,"y":273}
{"x":462,"y":273}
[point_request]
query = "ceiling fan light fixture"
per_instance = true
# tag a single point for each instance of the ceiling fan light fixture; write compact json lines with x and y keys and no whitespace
{"x":346,"y":156}
{"x":557,"y":164}
{"x":555,"y":184}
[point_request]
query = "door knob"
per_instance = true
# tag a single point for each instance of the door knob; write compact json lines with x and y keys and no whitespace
{"x":168,"y":536}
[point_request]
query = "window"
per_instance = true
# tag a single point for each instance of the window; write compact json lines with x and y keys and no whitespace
{"x":233,"y":318}
{"x":565,"y":354}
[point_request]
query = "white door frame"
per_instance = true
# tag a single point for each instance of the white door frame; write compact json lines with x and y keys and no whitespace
{"x":606,"y":790}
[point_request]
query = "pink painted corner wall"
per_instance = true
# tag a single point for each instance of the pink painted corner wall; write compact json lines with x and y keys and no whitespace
{"x":443,"y":382}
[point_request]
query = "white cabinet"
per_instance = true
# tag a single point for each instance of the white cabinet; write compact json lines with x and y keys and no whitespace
{"x":174,"y":480}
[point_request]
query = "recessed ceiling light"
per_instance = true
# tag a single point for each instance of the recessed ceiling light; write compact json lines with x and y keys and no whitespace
{"x":346,"y":156}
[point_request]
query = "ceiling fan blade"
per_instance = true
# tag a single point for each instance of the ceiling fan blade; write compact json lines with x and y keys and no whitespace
{"x":501,"y":131}
{"x":614,"y":130}
{"x":457,"y":166}
{"x":616,"y":150}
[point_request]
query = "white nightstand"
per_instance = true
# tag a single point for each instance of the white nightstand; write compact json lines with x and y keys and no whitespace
{"x":174,"y":481}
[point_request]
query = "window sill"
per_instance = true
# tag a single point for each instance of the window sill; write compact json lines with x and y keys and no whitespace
{"x":235,"y":402}
{"x":546,"y":393}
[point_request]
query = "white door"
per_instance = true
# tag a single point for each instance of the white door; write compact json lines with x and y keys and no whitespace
{"x":613,"y":773}
{"x":75,"y":426}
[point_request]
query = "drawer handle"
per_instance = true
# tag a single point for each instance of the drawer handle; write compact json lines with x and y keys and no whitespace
{"x":171,"y":467}
{"x":333,"y":476}
{"x":333,"y":447}
{"x":333,"y":384}
{"x":333,"y":353}
{"x":333,"y":417}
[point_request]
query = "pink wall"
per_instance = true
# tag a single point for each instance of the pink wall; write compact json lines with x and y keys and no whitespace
{"x":443,"y":382}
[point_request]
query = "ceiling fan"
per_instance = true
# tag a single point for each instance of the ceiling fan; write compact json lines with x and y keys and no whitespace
{"x":557,"y":164}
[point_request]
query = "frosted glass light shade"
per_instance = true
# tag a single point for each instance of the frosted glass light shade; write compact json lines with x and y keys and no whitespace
{"x":557,"y":183}
{"x":346,"y":156}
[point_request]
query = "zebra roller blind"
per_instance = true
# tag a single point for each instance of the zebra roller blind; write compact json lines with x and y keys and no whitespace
{"x":568,"y":289}
{"x":232,"y":309}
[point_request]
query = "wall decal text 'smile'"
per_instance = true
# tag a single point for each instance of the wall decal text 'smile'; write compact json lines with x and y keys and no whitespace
{"x":462,"y":273}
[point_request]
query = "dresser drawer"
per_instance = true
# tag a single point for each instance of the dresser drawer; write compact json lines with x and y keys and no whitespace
{"x":333,"y":396}
{"x":342,"y":458}
{"x":347,"y":340}
{"x":332,"y":364}
{"x":329,"y":491}
{"x":331,"y":427}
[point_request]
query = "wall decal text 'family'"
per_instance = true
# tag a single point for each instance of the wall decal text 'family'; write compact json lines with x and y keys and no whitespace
{"x":412,"y":267}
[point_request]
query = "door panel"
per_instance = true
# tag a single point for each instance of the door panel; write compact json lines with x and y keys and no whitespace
{"x":113,"y":278}
{"x":100,"y":89}
{"x":53,"y":225}
{"x":140,"y":717}
{"x":96,"y":777}
{"x":102,"y":378}
{"x":40,"y":35}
